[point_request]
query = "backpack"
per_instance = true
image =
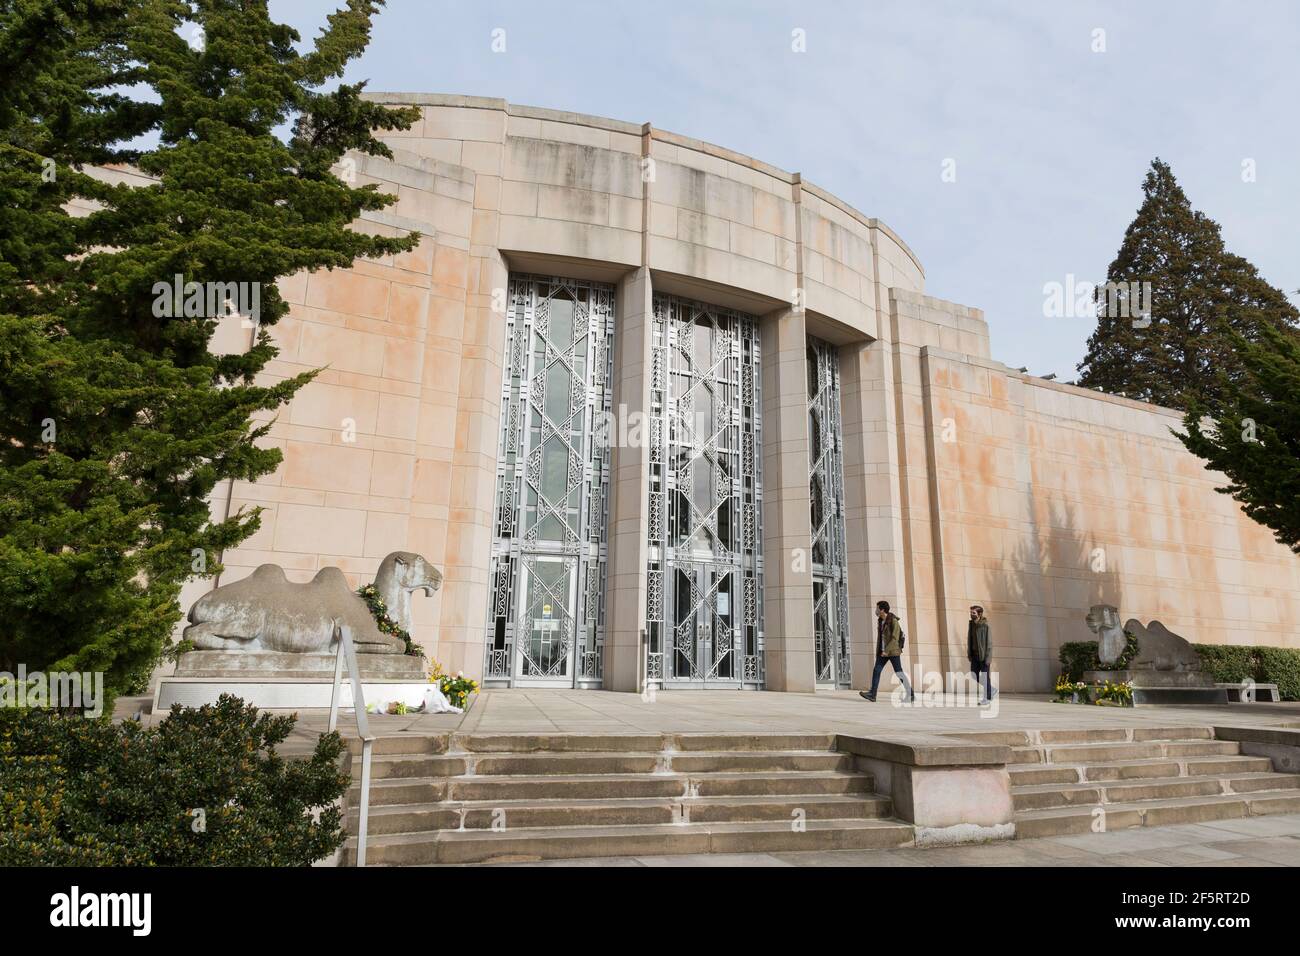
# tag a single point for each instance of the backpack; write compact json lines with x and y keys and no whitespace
{"x":902,"y":638}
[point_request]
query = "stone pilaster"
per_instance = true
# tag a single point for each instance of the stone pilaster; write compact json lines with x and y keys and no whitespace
{"x":629,"y":484}
{"x":787,"y":528}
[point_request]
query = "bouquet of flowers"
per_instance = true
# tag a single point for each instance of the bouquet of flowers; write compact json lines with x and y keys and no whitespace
{"x":456,"y":689}
{"x":1070,"y":692}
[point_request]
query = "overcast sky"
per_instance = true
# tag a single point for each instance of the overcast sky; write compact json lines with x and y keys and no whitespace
{"x":1050,"y":139}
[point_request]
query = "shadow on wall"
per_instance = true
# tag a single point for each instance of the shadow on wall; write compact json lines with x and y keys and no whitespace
{"x":1040,"y":596}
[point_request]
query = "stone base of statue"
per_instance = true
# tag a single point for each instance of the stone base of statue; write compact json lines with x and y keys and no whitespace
{"x":275,"y":680}
{"x":1164,"y":687}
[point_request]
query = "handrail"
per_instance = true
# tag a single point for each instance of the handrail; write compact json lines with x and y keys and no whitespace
{"x":347,"y":649}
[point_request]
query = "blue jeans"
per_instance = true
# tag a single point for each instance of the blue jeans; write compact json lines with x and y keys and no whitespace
{"x":976,"y":667}
{"x":898,"y":669}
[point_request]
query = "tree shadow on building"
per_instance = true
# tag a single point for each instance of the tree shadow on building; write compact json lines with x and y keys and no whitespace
{"x":1040,"y":598}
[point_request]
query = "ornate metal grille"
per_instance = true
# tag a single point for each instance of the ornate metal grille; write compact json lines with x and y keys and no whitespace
{"x":826,"y":502}
{"x":704,"y":580}
{"x":546,"y":608}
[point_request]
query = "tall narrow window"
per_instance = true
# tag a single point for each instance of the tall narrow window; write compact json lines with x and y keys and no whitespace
{"x":546,"y":608}
{"x":826,"y":511}
{"x":704,"y":586}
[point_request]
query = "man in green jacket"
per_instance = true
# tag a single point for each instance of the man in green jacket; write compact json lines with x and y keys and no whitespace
{"x":979,"y":650}
{"x":889,"y":649}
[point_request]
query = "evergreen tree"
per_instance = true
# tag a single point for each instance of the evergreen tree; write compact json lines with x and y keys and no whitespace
{"x":117,"y":421}
{"x":1254,"y":437}
{"x":1202,"y":299}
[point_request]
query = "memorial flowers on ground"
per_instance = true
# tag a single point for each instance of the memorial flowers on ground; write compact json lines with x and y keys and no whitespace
{"x":1108,"y":693}
{"x":456,"y":689}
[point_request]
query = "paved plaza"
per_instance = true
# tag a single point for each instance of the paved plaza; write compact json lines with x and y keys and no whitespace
{"x":1258,"y":841}
{"x":521,"y":711}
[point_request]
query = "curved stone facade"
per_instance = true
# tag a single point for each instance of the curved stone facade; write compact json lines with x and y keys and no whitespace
{"x":962,"y":481}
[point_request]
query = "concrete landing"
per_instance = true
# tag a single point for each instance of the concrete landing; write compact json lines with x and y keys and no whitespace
{"x":1258,"y":841}
{"x":607,"y":712}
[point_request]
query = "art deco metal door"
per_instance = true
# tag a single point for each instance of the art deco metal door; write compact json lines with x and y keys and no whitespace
{"x":704,"y":584}
{"x":547,"y":577}
{"x":826,"y":504}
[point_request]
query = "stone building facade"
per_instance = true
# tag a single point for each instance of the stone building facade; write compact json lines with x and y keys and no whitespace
{"x":666,"y":414}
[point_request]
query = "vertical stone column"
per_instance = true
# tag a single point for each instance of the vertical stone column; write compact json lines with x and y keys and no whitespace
{"x":629,"y":484}
{"x":873,"y":489}
{"x":789,"y":650}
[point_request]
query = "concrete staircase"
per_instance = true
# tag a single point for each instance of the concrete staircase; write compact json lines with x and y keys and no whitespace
{"x":494,"y":798}
{"x":1138,"y":777}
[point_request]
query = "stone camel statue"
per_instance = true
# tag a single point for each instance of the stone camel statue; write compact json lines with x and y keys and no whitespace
{"x":267,"y":612}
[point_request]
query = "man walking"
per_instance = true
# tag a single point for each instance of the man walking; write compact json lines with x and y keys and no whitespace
{"x":889,"y":648}
{"x":979,"y":650}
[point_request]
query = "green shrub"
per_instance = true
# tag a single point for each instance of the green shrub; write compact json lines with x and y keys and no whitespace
{"x":205,"y":787}
{"x":1226,"y":663}
{"x":1263,"y":665}
{"x":1281,"y":666}
{"x":1079,"y":656}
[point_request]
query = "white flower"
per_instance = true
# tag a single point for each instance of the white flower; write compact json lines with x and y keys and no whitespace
{"x":460,"y":673}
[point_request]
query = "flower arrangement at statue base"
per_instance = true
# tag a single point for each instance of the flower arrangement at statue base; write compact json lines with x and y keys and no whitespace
{"x":456,"y":689}
{"x":1118,"y":694}
{"x":1070,"y":692}
{"x":1107,"y":694}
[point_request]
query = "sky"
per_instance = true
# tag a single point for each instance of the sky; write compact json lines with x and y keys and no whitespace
{"x":1044,"y":125}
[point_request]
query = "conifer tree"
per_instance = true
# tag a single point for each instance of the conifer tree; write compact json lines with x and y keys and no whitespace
{"x":1254,"y":437}
{"x":117,"y":420}
{"x":1202,"y":299}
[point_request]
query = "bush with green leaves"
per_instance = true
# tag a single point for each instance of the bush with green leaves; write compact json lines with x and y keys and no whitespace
{"x":1079,"y":656}
{"x":206,"y":787}
{"x":1232,"y":664}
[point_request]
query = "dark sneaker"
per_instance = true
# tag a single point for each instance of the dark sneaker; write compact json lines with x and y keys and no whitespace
{"x":865,"y":696}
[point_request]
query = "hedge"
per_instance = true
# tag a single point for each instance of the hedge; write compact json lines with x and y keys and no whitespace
{"x":1263,"y":665}
{"x":1225,"y":663}
{"x":205,"y":787}
{"x":1079,"y":656}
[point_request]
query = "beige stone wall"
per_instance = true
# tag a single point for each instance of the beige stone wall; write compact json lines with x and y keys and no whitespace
{"x":1007,"y":513}
{"x":1043,"y":499}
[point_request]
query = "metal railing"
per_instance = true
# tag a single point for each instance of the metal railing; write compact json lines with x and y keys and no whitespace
{"x":347,"y":649}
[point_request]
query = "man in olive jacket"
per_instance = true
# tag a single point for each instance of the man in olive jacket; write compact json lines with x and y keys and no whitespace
{"x":979,"y":649}
{"x":889,"y":649}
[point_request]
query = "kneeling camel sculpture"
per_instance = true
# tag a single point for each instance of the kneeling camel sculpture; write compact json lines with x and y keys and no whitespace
{"x":267,"y":612}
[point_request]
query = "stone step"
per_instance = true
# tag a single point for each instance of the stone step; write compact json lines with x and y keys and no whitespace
{"x":1097,"y":735}
{"x":400,"y":765}
{"x":401,"y":744}
{"x":750,"y":742}
{"x":1024,"y":740}
{"x":611,"y":786}
{"x":598,"y":762}
{"x":1046,"y":796}
{"x":480,"y":846}
{"x":484,"y":815}
{"x":400,"y":790}
{"x":1153,"y":813}
{"x":1006,"y":738}
{"x":1173,"y":733}
{"x":1085,"y":735}
{"x":1112,"y":752}
{"x":1035,"y":774}
{"x":556,"y":743}
{"x":637,"y":743}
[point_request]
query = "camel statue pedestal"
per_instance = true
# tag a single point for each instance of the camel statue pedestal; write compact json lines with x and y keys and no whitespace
{"x":289,"y":681}
{"x":272,"y":642}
